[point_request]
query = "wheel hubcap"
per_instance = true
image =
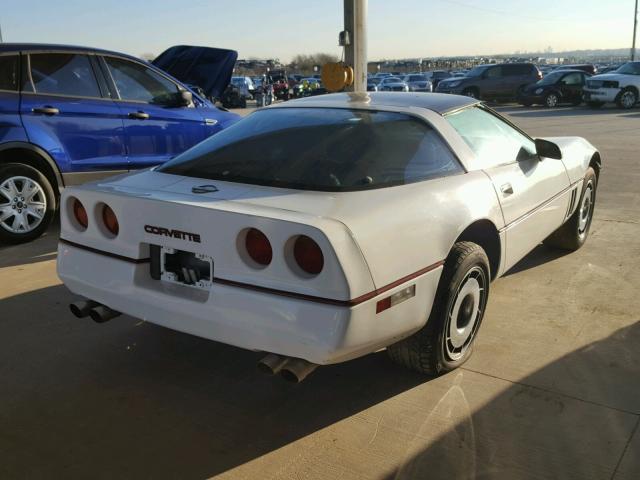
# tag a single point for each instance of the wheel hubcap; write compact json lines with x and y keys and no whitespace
{"x":465,"y":314}
{"x":628,"y":99}
{"x":22,"y":204}
{"x":552,"y":101}
{"x":586,"y":207}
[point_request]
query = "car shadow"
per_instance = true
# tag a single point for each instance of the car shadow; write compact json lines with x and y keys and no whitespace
{"x":538,"y":256}
{"x":39,"y":250}
{"x":128,"y":399}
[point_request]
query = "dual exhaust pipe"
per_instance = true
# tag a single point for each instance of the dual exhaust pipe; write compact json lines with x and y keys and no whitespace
{"x":89,"y":308}
{"x":291,"y":369}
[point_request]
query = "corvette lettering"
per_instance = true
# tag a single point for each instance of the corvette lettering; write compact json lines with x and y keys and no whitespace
{"x":168,"y":232}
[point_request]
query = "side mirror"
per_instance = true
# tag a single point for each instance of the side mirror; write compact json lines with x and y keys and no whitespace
{"x":547,"y":149}
{"x":185,"y":98}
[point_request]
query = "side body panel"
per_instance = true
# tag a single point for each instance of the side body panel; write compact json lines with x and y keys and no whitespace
{"x":86,"y":134}
{"x":534,"y":197}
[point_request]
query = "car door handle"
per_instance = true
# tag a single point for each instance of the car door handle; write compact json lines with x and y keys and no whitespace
{"x":506,"y":189}
{"x":46,"y":110}
{"x":139,"y":115}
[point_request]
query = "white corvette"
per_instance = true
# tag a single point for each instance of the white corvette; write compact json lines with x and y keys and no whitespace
{"x":327,"y":228}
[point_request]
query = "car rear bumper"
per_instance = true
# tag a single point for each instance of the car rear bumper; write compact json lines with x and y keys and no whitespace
{"x":601,"y":94}
{"x":319,"y":332}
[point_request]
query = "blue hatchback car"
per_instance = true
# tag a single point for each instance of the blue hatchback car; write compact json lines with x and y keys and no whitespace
{"x":69,"y":115}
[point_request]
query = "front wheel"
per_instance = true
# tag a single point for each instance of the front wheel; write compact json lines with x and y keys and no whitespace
{"x":27,"y":203}
{"x":446,"y":341}
{"x":627,"y":98}
{"x":574,"y":232}
{"x":551,"y":100}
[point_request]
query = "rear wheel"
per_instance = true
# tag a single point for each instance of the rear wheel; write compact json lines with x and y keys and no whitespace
{"x":27,"y":203}
{"x":574,"y":232}
{"x":446,"y":341}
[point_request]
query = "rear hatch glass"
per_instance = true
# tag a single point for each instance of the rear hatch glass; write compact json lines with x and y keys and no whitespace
{"x":325,"y":149}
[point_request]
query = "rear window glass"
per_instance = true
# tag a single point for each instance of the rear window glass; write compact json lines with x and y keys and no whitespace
{"x":320,"y":149}
{"x":63,"y":74}
{"x":8,"y":72}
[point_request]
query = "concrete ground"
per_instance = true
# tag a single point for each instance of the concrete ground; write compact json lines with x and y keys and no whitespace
{"x":551,"y":392}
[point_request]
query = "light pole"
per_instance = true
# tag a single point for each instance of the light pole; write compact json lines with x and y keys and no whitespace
{"x":355,"y":52}
{"x":635,"y":27}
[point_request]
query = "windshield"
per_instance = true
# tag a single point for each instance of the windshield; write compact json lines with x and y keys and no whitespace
{"x":551,"y":78}
{"x":631,"y":68}
{"x":476,"y":71}
{"x":320,"y":149}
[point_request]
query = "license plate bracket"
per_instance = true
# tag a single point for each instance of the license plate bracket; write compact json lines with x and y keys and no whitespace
{"x":181,"y":267}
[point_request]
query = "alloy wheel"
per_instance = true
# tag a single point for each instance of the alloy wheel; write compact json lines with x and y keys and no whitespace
{"x":23,"y":204}
{"x":552,"y":100}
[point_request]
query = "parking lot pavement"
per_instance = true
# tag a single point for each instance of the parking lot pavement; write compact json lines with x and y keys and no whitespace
{"x":552,"y":390}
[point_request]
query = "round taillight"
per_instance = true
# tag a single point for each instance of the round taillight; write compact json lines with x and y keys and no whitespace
{"x":110,"y":220}
{"x":308,"y":255}
{"x":80,"y":213}
{"x":258,"y":247}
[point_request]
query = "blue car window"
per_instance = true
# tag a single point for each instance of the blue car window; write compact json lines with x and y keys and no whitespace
{"x":63,"y":74}
{"x":9,"y":72}
{"x":138,"y":83}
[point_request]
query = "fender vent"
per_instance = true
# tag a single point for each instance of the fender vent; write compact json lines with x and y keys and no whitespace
{"x":572,"y":202}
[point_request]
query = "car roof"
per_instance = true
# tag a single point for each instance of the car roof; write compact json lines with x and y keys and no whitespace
{"x":38,"y":47}
{"x":440,"y":103}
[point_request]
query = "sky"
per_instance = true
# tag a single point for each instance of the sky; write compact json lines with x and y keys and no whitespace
{"x":282,"y":29}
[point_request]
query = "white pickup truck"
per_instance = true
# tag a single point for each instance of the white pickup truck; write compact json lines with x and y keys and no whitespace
{"x":621,"y":87}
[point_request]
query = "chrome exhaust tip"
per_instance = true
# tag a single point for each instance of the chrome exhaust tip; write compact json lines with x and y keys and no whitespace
{"x":82,"y":308}
{"x":272,"y":363}
{"x":296,"y":370}
{"x":102,"y":313}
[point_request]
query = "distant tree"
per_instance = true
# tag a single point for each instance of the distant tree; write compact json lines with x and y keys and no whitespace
{"x":304,"y":63}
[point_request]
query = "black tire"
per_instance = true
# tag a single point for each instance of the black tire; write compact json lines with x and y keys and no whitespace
{"x":44,"y":199}
{"x":430,"y":350}
{"x":574,"y":232}
{"x":471,"y":92}
{"x":595,"y":104}
{"x":243,"y":103}
{"x":627,"y":98}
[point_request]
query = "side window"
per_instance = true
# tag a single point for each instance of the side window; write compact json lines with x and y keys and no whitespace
{"x":136,"y":82}
{"x":9,"y":72}
{"x":572,"y":79}
{"x":510,"y":70}
{"x":63,"y":74}
{"x":494,"y":141}
{"x":494,"y":72}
